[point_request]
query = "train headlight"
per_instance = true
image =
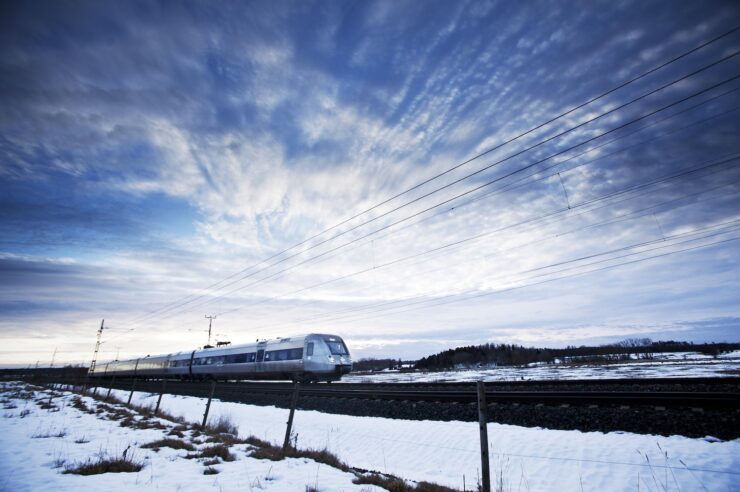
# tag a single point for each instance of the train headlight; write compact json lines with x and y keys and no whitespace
{"x":331,"y":358}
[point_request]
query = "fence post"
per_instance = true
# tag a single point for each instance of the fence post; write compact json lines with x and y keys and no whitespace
{"x":208,"y":405}
{"x":159,"y":400}
{"x":110,"y":387}
{"x":483,"y":425}
{"x":133,"y":386}
{"x":293,"y":402}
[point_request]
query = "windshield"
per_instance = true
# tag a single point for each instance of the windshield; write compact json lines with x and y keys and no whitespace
{"x":336,"y":346}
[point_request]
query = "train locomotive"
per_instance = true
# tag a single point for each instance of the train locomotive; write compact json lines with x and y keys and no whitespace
{"x":307,"y":358}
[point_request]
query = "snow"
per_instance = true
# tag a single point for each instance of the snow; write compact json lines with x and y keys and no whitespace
{"x":442,"y":452}
{"x":674,"y":365}
{"x":27,"y":460}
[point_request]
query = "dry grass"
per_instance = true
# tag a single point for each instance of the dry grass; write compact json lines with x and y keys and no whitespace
{"x":169,"y":443}
{"x":219,"y":451}
{"x":210,"y":471}
{"x":256,"y":441}
{"x":267,"y":451}
{"x":80,"y":405}
{"x":105,"y":464}
{"x":395,"y":484}
{"x":223,"y":425}
{"x":48,"y":434}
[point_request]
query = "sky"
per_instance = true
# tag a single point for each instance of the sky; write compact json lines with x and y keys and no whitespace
{"x":400,"y":173}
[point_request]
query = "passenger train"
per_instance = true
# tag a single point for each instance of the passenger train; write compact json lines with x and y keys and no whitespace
{"x":307,"y":358}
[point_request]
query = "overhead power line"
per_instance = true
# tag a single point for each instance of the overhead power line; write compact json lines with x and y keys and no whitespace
{"x":560,"y":214}
{"x":465,"y":193}
{"x":455,"y":298}
{"x":662,"y":65}
{"x":533,"y":220}
{"x":648,"y":114}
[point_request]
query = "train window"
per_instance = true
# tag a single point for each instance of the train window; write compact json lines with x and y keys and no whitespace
{"x":295,"y":354}
{"x":336,"y":347}
{"x":309,"y":348}
{"x":251,"y":357}
{"x":267,"y":355}
{"x":235,"y":359}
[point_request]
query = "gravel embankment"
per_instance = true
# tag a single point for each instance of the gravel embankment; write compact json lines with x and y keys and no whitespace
{"x":724,"y":424}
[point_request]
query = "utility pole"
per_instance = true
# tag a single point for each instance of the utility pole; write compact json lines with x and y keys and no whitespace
{"x":210,"y":323}
{"x":97,"y":348}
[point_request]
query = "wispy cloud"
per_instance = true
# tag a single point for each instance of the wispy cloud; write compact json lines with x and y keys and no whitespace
{"x":148,"y":150}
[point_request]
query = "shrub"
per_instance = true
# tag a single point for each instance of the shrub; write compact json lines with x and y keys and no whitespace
{"x":210,"y":471}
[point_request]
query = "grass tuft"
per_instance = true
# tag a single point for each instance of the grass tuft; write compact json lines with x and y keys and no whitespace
{"x":217,"y":451}
{"x":122,"y":464}
{"x":210,"y":471}
{"x":223,"y":425}
{"x":48,"y":434}
{"x":169,"y":443}
{"x":266,"y":451}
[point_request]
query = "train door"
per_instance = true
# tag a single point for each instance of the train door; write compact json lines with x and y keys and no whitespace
{"x":260,"y":359}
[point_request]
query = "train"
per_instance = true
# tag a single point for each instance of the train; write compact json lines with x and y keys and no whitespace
{"x":307,"y":358}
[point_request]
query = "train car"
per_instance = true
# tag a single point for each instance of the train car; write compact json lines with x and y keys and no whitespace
{"x":309,"y":358}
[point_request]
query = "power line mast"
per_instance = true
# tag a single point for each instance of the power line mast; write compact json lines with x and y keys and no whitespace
{"x":210,"y":324}
{"x":97,"y":348}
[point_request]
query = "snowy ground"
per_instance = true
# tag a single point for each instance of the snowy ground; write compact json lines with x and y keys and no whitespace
{"x":36,"y":447}
{"x":674,"y":365}
{"x":444,"y":452}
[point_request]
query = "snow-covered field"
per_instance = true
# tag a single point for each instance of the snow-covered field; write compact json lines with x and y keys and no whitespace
{"x":674,"y":365}
{"x":525,"y":459}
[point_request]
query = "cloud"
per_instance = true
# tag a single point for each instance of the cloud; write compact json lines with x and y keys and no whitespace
{"x":164,"y":147}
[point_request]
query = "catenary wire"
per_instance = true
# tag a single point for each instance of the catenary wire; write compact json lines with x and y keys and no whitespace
{"x":541,"y":125}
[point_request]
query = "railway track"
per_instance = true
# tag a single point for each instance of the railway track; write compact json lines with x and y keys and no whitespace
{"x":465,"y":393}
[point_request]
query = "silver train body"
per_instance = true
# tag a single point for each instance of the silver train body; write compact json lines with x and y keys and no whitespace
{"x":310,"y":358}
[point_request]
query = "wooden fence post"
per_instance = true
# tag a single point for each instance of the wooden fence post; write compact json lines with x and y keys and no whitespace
{"x":483,"y":425}
{"x":159,"y":400}
{"x":110,"y":387}
{"x":133,"y":386}
{"x":208,"y":405}
{"x":293,"y":402}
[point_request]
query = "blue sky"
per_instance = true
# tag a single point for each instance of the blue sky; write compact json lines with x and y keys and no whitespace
{"x":151,"y":149}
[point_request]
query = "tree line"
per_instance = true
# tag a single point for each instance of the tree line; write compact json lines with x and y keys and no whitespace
{"x":490,"y":354}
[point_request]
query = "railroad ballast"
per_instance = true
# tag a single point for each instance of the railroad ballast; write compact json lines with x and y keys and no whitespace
{"x":310,"y":358}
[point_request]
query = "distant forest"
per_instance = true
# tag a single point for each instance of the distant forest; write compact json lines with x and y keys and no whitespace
{"x":514,"y":355}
